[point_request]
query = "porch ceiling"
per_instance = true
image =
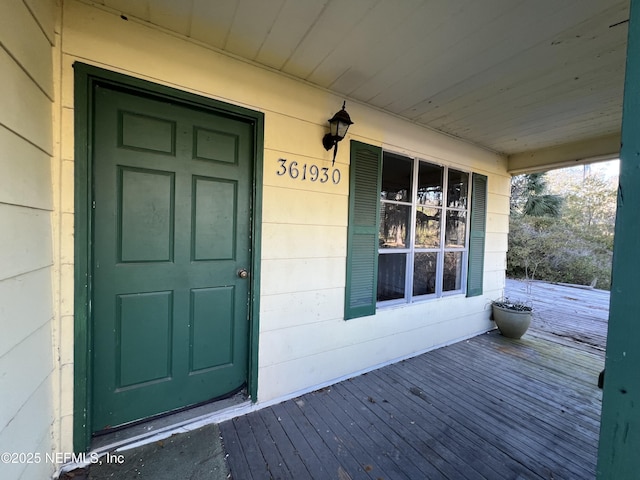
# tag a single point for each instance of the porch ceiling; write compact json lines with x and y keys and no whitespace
{"x":540,"y":81}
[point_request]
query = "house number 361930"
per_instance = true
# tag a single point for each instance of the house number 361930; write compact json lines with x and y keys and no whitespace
{"x":308,"y":171}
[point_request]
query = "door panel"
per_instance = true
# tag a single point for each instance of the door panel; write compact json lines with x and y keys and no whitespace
{"x":138,"y":362}
{"x":145,"y":215}
{"x":171,"y":230}
{"x":211,"y":341}
{"x":214,"y":206}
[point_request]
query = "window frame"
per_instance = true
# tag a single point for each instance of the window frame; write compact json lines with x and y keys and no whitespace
{"x":410,"y":251}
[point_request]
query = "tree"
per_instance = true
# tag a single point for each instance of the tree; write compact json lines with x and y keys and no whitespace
{"x":529,"y":197}
{"x":591,"y":206}
{"x":562,"y":233}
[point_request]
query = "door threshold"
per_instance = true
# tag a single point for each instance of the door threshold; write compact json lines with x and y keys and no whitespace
{"x":162,"y":427}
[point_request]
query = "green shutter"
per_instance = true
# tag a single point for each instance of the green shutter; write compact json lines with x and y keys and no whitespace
{"x":477,"y":234}
{"x":362,"y":238}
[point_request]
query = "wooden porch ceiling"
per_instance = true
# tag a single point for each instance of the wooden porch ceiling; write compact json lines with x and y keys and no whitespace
{"x":486,"y":408}
{"x":539,"y":81}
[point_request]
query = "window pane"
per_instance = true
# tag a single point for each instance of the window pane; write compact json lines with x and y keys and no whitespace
{"x":427,"y":227}
{"x":429,"y":184}
{"x":391,"y":276}
{"x":424,"y":273}
{"x":394,"y":225}
{"x":452,"y":278}
{"x":455,"y":234}
{"x":396,"y":178}
{"x":457,"y":189}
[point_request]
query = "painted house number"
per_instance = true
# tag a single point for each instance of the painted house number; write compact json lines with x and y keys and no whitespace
{"x":307,"y":171}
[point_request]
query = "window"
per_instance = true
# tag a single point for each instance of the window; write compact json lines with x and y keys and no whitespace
{"x":416,"y":230}
{"x":423,"y":229}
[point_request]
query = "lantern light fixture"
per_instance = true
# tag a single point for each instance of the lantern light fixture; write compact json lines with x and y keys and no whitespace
{"x":338,"y":126}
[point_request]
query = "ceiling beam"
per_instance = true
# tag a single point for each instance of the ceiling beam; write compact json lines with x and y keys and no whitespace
{"x":566,"y":155}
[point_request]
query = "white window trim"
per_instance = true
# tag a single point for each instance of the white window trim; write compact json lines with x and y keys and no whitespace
{"x":409,"y":299}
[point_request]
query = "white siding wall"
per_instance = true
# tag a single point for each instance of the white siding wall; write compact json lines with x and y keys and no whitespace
{"x":304,"y":341}
{"x":27,"y":371}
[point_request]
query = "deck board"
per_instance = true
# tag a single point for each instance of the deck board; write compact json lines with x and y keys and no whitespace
{"x":273,"y":459}
{"x":479,"y":455}
{"x":427,"y":441}
{"x":571,"y":315}
{"x":488,"y":417}
{"x":232,"y":443}
{"x":341,"y":438}
{"x":485,"y":408}
{"x":387,"y":444}
{"x":533,"y":427}
{"x":290,"y":455}
{"x":368,"y":436}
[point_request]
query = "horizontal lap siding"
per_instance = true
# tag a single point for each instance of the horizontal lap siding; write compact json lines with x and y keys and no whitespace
{"x":496,"y":240}
{"x":21,"y":314}
{"x":22,"y":249}
{"x":27,"y":111}
{"x":304,"y":340}
{"x":24,"y":181}
{"x":26,"y":250}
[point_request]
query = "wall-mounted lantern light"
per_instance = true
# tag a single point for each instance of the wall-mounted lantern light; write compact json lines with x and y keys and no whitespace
{"x":338,"y":124}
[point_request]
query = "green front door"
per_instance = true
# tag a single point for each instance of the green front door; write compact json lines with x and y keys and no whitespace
{"x":171,"y":250}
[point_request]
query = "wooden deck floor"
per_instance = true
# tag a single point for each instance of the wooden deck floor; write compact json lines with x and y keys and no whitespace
{"x":485,"y":408}
{"x":576,"y":315}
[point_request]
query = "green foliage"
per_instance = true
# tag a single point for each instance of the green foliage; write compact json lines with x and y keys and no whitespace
{"x":529,"y":197}
{"x":543,"y":205}
{"x":570,"y":238}
{"x":550,"y":249}
{"x":591,"y":206}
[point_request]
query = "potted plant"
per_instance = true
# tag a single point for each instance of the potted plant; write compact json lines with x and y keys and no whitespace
{"x":512,"y":317}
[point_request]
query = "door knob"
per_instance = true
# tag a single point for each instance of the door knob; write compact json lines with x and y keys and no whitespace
{"x":242,"y":273}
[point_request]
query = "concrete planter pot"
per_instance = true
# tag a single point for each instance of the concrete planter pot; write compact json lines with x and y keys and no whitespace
{"x":512,"y":320}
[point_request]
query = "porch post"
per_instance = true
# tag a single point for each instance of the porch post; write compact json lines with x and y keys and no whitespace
{"x":620,"y":429}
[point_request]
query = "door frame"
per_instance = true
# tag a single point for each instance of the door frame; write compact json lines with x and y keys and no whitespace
{"x":86,"y":77}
